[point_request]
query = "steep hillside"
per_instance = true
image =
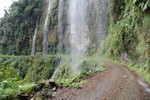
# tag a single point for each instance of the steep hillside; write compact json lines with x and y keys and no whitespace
{"x":70,"y":39}
{"x":128,"y":37}
{"x":19,"y":23}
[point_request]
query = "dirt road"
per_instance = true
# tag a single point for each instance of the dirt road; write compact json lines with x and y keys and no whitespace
{"x":117,"y":83}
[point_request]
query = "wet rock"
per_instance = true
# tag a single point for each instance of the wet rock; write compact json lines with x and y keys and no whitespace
{"x":45,"y":94}
{"x":61,"y":85}
{"x":39,"y":86}
{"x":52,"y":84}
{"x":54,"y":89}
{"x":54,"y":94}
{"x":23,"y":96}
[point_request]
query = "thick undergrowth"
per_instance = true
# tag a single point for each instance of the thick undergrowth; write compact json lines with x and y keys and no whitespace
{"x":128,"y":36}
{"x":22,"y":73}
{"x":127,"y":40}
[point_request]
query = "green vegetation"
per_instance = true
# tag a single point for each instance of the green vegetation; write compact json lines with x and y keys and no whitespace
{"x":27,"y":87}
{"x":128,"y":36}
{"x":75,"y":80}
{"x":65,"y":76}
{"x":20,"y":73}
{"x":18,"y":25}
{"x":142,"y":71}
{"x":127,"y":39}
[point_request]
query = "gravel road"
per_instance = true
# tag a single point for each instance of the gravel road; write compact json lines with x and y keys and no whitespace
{"x":116,"y":83}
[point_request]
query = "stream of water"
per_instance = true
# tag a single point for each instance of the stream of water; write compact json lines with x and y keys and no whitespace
{"x":33,"y":42}
{"x":144,"y":85}
{"x":86,"y":24}
{"x":46,"y":31}
{"x":78,"y":36}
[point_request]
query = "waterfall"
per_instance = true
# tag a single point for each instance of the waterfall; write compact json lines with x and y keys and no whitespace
{"x":60,"y":33}
{"x":78,"y":31}
{"x":46,"y":31}
{"x":60,"y":25}
{"x":33,"y":42}
{"x":59,"y":62}
{"x":101,"y":8}
{"x":79,"y":20}
{"x":97,"y":21}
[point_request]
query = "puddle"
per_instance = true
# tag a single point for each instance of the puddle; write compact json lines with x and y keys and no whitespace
{"x":143,"y":84}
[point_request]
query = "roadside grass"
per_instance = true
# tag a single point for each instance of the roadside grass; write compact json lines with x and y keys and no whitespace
{"x":87,"y":66}
{"x":141,"y":71}
{"x":20,"y":74}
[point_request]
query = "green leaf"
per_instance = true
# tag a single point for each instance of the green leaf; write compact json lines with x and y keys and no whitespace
{"x":134,"y":1}
{"x":145,"y":6}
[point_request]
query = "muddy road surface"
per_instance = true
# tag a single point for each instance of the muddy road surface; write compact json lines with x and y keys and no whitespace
{"x":116,"y":83}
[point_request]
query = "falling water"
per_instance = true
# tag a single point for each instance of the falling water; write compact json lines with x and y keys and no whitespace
{"x":143,"y":84}
{"x":81,"y":15}
{"x":33,"y":42}
{"x":46,"y":32}
{"x":78,"y":36}
{"x":101,"y":7}
{"x":60,"y":25}
{"x":60,"y":33}
{"x":57,"y":68}
{"x":97,"y":20}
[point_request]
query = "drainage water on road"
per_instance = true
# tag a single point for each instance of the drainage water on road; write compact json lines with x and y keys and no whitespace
{"x":143,"y":84}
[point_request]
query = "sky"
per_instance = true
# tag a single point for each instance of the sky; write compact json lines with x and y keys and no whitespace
{"x":4,"y":4}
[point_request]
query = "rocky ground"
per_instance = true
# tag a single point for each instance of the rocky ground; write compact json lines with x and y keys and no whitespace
{"x":116,"y":83}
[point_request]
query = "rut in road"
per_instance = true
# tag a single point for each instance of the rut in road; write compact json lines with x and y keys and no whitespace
{"x":117,"y":83}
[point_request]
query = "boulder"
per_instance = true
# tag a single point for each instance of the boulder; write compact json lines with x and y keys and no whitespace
{"x":39,"y":86}
{"x":23,"y":96}
{"x":52,"y":84}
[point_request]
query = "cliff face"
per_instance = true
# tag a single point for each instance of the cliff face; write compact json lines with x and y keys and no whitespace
{"x":128,"y":33}
{"x":19,"y":24}
{"x":116,"y":29}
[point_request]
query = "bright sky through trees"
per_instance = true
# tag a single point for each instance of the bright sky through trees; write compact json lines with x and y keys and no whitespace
{"x":4,"y":4}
